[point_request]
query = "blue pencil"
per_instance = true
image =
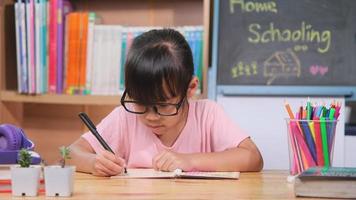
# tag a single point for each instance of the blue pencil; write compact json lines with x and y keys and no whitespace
{"x":309,"y":139}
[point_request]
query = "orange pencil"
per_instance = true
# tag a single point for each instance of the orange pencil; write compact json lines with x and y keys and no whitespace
{"x":289,"y":110}
{"x":291,"y":115}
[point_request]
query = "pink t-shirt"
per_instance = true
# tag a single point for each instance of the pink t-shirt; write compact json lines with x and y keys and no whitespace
{"x":208,"y":129}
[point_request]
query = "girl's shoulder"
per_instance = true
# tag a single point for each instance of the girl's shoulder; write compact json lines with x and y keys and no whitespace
{"x":204,"y":106}
{"x":119,"y":113}
{"x":204,"y":103}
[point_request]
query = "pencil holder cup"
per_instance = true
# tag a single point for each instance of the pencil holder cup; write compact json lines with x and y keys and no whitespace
{"x":311,"y":143}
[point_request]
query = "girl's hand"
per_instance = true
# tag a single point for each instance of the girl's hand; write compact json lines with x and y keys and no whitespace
{"x":107,"y":164}
{"x":170,"y":161}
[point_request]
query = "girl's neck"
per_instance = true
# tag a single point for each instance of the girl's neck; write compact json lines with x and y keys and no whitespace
{"x":171,"y":137}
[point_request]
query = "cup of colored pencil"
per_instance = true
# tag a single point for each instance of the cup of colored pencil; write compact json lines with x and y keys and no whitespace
{"x":311,"y":135}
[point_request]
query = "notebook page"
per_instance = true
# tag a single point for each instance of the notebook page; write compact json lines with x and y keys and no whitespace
{"x":144,"y":173}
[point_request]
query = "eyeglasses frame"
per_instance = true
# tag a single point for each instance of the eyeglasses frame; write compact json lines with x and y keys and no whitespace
{"x":177,"y":105}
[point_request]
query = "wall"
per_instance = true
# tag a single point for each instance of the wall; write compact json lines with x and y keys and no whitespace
{"x":350,"y":149}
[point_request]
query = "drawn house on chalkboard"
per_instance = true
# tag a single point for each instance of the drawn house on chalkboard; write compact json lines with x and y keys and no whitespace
{"x":281,"y":64}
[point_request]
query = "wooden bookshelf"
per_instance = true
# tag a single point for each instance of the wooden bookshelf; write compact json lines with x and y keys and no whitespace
{"x":51,"y":120}
{"x":12,"y":96}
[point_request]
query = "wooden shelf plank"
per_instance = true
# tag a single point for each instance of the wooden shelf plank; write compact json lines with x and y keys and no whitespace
{"x":13,"y":96}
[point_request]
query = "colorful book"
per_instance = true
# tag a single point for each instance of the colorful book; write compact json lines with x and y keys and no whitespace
{"x":44,"y":45}
{"x":83,"y":38}
{"x":30,"y":46}
{"x":32,"y":39}
{"x":63,"y":8}
{"x":72,"y":56}
{"x":52,"y":68}
{"x":123,"y":58}
{"x":38,"y":68}
{"x":18,"y":30}
{"x":5,"y":180}
{"x":92,"y":19}
{"x":60,"y":42}
{"x":23,"y":44}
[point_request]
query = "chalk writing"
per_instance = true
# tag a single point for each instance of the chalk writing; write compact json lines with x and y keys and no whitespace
{"x":251,"y":6}
{"x":244,"y":69}
{"x":305,"y":33}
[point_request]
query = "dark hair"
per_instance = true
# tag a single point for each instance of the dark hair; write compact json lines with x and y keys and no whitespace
{"x":158,"y":57}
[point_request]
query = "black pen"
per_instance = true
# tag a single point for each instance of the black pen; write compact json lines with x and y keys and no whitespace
{"x":84,"y":117}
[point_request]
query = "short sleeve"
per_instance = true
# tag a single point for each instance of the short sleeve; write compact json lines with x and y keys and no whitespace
{"x":224,"y":132}
{"x":110,"y":129}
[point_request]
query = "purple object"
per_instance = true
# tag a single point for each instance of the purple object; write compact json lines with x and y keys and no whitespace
{"x":12,"y":139}
{"x":64,"y":7}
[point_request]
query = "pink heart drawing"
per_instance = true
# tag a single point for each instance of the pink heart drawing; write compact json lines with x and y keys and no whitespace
{"x":317,"y":69}
{"x":314,"y":69}
{"x":323,"y":70}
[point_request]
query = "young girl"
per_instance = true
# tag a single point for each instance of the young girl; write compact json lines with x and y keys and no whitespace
{"x":158,"y":125}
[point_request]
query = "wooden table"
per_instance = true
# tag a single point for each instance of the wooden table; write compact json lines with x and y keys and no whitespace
{"x":264,"y":185}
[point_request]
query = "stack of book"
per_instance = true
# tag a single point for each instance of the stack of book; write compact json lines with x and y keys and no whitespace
{"x":330,"y":182}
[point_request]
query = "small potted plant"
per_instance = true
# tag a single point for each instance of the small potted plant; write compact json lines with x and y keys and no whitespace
{"x":59,"y":178}
{"x":25,"y":177}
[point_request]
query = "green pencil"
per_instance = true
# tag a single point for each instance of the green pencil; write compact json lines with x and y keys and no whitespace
{"x":308,"y":110}
{"x":324,"y":139}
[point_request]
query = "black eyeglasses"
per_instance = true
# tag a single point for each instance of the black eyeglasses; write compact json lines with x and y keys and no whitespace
{"x":164,"y":109}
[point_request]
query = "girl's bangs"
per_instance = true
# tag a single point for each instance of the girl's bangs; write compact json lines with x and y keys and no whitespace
{"x":152,"y":71}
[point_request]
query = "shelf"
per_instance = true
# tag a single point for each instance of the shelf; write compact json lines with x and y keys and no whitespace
{"x":13,"y":96}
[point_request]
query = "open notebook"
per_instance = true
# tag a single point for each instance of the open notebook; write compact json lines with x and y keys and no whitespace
{"x":151,"y":173}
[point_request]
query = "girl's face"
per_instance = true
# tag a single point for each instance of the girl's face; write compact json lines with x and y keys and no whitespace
{"x":167,"y":128}
{"x":170,"y":126}
{"x":162,"y":125}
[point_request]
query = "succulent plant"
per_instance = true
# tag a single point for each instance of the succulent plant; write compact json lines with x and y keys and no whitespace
{"x":24,"y":158}
{"x":64,"y":151}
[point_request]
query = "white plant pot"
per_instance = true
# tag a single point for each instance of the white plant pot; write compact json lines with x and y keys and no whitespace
{"x":25,"y":181}
{"x":58,"y":180}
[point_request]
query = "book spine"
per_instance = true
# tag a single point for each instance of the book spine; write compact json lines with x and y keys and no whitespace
{"x":32,"y":48}
{"x":38,"y":16}
{"x":123,"y":57}
{"x":18,"y":46}
{"x":44,"y":45}
{"x":63,"y":8}
{"x":23,"y":43}
{"x":117,"y":62}
{"x":52,"y":77}
{"x":105,"y":60}
{"x":199,"y":58}
{"x":72,"y":23}
{"x":59,"y":24}
{"x":30,"y":43}
{"x":113,"y":71}
{"x":97,"y":56}
{"x":83,"y":40}
{"x":48,"y":22}
{"x":65,"y":53}
{"x":89,"y":61}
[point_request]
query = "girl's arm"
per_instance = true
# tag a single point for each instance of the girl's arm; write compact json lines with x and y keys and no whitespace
{"x":86,"y":160}
{"x":245,"y":157}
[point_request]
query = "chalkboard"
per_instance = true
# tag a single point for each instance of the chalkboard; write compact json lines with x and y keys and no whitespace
{"x":286,"y":42}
